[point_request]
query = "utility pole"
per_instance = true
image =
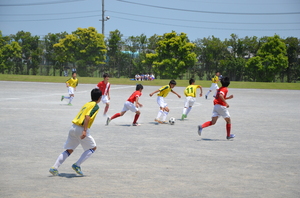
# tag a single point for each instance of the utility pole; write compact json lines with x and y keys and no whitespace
{"x":103,"y":17}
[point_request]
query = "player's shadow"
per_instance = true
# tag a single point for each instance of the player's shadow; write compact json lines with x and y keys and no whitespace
{"x":212,"y":140}
{"x":155,"y":123}
{"x":128,"y":125}
{"x":69,"y":175}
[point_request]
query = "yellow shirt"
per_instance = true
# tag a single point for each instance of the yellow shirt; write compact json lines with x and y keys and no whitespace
{"x":72,"y":82}
{"x":91,"y":109}
{"x":191,"y":90}
{"x":215,"y":79}
{"x":164,"y":91}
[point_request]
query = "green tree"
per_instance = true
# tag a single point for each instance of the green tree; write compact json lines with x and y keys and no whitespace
{"x":293,"y":52}
{"x":114,"y":53}
{"x":173,"y":55}
{"x":271,"y":59}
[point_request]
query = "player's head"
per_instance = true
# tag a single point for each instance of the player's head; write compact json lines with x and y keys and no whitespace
{"x":139,"y":87}
{"x":96,"y":95}
{"x":217,"y":73}
{"x":74,"y":74}
{"x":225,"y":81}
{"x":172,"y":83}
{"x":191,"y":81}
{"x":106,"y":76}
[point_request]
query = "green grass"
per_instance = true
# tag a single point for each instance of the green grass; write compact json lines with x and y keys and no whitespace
{"x":126,"y":81}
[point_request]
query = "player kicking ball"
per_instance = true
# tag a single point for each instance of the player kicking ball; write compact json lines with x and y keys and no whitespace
{"x":79,"y":133}
{"x":163,"y":108}
{"x":131,"y":104}
{"x":220,"y":109}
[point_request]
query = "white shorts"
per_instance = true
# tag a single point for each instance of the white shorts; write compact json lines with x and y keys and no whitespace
{"x":74,"y":139}
{"x":214,"y":86}
{"x":220,"y":110}
{"x":104,"y":99}
{"x":129,"y":106}
{"x":71,"y":90}
{"x":189,"y":101}
{"x":161,"y":101}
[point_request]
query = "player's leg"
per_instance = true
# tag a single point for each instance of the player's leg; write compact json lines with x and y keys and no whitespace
{"x":228,"y":128}
{"x":136,"y":117}
{"x":125,"y":108}
{"x":106,"y":108}
{"x":166,"y":111}
{"x":190,"y":105}
{"x":184,"y":111}
{"x":160,"y":101}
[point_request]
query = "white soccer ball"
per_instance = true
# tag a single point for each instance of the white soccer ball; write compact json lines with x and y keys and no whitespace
{"x":172,"y":121}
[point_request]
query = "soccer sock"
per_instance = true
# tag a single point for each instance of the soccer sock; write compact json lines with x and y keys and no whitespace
{"x":136,"y":117}
{"x":61,"y":158}
{"x":71,"y":98}
{"x":165,"y":116}
{"x":207,"y":93}
{"x":86,"y":154}
{"x":184,"y":110}
{"x":188,"y":110}
{"x":207,"y":124}
{"x":66,"y":97}
{"x":159,"y":114}
{"x":115,"y":116}
{"x":228,"y":129}
{"x":106,"y":109}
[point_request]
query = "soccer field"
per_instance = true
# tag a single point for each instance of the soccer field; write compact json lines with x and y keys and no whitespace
{"x":150,"y":160}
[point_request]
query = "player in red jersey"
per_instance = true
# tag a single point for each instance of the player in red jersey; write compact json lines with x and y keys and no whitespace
{"x":220,"y":109}
{"x":104,"y":86}
{"x":131,"y":104}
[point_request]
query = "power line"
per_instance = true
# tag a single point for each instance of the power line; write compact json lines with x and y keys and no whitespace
{"x":52,"y":19}
{"x":209,"y":12}
{"x":40,"y":3}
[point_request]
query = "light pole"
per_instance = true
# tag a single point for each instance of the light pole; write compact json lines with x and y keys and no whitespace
{"x":103,"y":18}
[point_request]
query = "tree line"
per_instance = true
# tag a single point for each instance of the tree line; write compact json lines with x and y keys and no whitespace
{"x":172,"y":55}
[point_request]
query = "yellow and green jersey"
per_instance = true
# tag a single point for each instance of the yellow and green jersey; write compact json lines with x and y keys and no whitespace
{"x":91,"y":109}
{"x":164,"y":91}
{"x":72,"y":82}
{"x":191,"y":90}
{"x":215,"y":79}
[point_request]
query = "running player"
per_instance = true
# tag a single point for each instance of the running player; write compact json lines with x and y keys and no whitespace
{"x":163,"y":108}
{"x":72,"y":83}
{"x":104,"y":86}
{"x":220,"y":109}
{"x":131,"y":104}
{"x":190,"y":93}
{"x":79,"y":133}
{"x":214,"y":84}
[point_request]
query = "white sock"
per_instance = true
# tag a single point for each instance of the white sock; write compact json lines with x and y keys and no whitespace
{"x":184,"y":110}
{"x":86,"y":154}
{"x":188,"y":110}
{"x":165,"y":116}
{"x":66,"y":97}
{"x":61,"y":158}
{"x":207,"y":93}
{"x":159,"y":114}
{"x":71,"y":98}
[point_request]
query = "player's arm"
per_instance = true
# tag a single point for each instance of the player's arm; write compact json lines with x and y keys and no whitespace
{"x":229,"y":97}
{"x":201,"y":91}
{"x":223,"y":99}
{"x":176,"y":93}
{"x":85,"y":125}
{"x":154,"y":93}
{"x":137,"y":104}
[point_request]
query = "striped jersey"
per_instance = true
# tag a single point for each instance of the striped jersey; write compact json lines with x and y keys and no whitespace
{"x":91,"y":109}
{"x":104,"y":88}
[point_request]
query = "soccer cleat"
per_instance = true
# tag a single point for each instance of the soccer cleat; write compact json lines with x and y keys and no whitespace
{"x":157,"y":120}
{"x":70,"y":104}
{"x":77,"y":169}
{"x":182,"y":117}
{"x":54,"y":171}
{"x":164,"y":122}
{"x":108,"y":121}
{"x":205,"y":96}
{"x":199,"y":130}
{"x":230,"y":137}
{"x":136,"y":124}
{"x":62,"y":98}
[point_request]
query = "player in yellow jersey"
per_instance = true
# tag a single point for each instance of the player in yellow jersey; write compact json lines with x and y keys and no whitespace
{"x":214,"y":84}
{"x":190,"y":93}
{"x":79,"y":133}
{"x":72,"y":83}
{"x":163,"y":108}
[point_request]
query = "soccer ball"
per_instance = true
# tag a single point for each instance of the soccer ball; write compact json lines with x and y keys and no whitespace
{"x":172,"y":121}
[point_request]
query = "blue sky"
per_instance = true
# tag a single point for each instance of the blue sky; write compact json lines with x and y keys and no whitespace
{"x":196,"y":18}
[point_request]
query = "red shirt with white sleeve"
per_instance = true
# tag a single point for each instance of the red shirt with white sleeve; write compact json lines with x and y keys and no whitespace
{"x":133,"y":96}
{"x":217,"y":100}
{"x":104,"y":87}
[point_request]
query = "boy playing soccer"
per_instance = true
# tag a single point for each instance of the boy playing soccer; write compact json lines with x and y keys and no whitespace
{"x":104,"y":86}
{"x":220,"y":109}
{"x":79,"y":133}
{"x":131,"y":104}
{"x":72,"y":83}
{"x":214,"y":84}
{"x":190,"y":93}
{"x":163,"y":108}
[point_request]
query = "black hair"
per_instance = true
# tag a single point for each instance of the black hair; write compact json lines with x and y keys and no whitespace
{"x":191,"y":81}
{"x":105,"y":75}
{"x":74,"y":72}
{"x":225,"y":81}
{"x":96,"y":94}
{"x":139,"y":86}
{"x":172,"y":82}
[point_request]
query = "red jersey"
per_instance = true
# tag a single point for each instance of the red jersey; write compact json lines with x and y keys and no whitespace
{"x":104,"y":88}
{"x":133,"y":96}
{"x":223,"y":91}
